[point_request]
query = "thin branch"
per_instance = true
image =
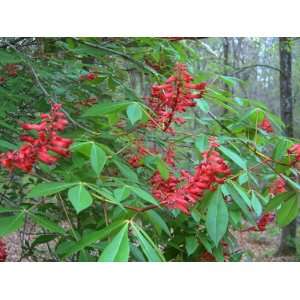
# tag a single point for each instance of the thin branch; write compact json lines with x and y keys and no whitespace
{"x":256,"y":66}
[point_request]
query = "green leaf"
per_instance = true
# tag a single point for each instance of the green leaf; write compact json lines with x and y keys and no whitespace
{"x":125,"y":170}
{"x":291,"y":183}
{"x":134,"y":113}
{"x":203,"y":105}
{"x":201,"y":143}
{"x":256,"y":205}
{"x":240,"y":202}
{"x":149,"y":248}
{"x":204,"y":241}
{"x":91,"y":238}
{"x":278,"y":199}
{"x":118,"y":248}
{"x":105,"y":108}
{"x":234,"y":157}
{"x":288,"y":212}
{"x":11,"y":223}
{"x":49,"y":188}
{"x":217,"y":217}
{"x":157,"y":221}
{"x":144,"y":195}
{"x":7,"y":146}
{"x":122,"y":193}
{"x":242,"y":193}
{"x":162,"y":168}
{"x":46,"y":223}
{"x":80,"y":198}
{"x":98,"y":159}
{"x":191,"y":244}
{"x":281,"y":148}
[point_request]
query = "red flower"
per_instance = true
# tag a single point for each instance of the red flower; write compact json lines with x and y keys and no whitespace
{"x":266,"y":125}
{"x":207,"y":175}
{"x":2,"y":80}
{"x":3,"y":253}
{"x":37,"y":148}
{"x":277,"y":186}
{"x":91,"y":76}
{"x":174,"y":96}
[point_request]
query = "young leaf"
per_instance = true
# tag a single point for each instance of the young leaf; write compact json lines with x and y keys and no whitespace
{"x":80,"y":198}
{"x":98,"y":159}
{"x":217,"y":217}
{"x":48,"y":188}
{"x":118,"y":248}
{"x":134,"y":113}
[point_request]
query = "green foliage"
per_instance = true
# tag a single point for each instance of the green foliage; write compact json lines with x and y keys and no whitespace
{"x":95,"y":205}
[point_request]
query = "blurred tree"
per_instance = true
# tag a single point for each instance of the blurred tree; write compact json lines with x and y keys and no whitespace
{"x":288,"y":235}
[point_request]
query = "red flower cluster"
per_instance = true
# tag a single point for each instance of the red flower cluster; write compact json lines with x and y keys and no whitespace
{"x":266,"y":125}
{"x":264,"y":220}
{"x":211,"y":171}
{"x":2,"y":80}
{"x":174,"y":96}
{"x":295,"y":150}
{"x":89,"y":76}
{"x":3,"y":253}
{"x":277,"y":186}
{"x":37,"y":148}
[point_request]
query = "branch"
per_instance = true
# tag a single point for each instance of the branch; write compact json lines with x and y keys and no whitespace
{"x":255,"y":66}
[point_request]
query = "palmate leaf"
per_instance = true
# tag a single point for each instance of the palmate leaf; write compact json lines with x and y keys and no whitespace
{"x":151,"y":251}
{"x":118,"y":248}
{"x":91,"y":238}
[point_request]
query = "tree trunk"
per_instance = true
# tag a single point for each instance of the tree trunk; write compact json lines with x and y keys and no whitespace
{"x":288,"y":234}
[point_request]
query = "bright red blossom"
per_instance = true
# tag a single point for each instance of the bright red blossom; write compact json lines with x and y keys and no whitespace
{"x":37,"y":148}
{"x":172,"y":97}
{"x":277,"y":186}
{"x":207,"y":175}
{"x":266,"y":125}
